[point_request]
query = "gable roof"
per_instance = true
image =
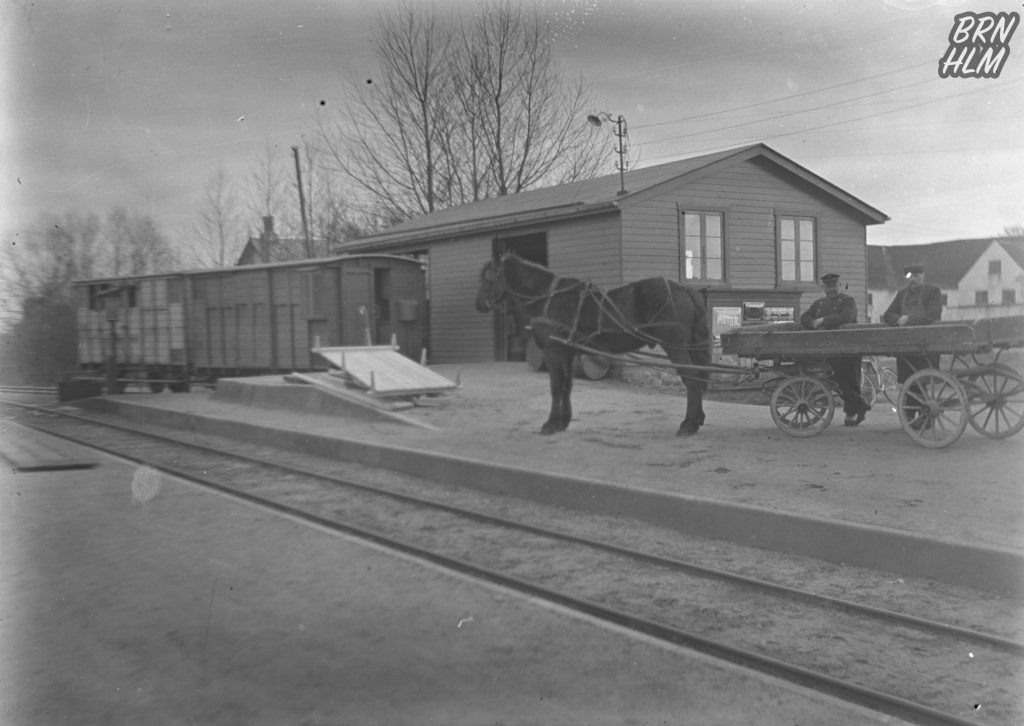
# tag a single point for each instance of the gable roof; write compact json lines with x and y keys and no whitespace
{"x":592,"y":196}
{"x":945,"y":263}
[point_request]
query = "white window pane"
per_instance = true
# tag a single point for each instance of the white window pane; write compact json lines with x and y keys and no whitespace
{"x":714,"y":225}
{"x":806,"y":251}
{"x":691,"y":224}
{"x":806,"y":270}
{"x":714,"y":269}
{"x":788,"y":250}
{"x":689,"y":271}
{"x":788,"y":270}
{"x":787,"y":229}
{"x":693,"y":246}
{"x":807,"y":230}
{"x":714,"y":248}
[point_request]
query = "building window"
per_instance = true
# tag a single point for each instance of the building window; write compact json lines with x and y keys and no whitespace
{"x":701,"y":254}
{"x":995,"y":267}
{"x":1009,"y":297}
{"x":797,"y":249}
{"x":981,"y":298}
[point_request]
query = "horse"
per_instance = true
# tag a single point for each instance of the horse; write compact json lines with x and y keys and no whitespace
{"x":564,"y":312}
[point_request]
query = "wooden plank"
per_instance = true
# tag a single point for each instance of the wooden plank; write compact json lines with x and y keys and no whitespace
{"x":851,"y":340}
{"x":382,"y":370}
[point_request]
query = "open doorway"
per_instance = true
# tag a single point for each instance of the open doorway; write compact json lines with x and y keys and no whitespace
{"x":509,"y":340}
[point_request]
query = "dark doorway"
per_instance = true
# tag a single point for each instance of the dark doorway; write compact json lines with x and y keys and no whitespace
{"x":509,"y":341}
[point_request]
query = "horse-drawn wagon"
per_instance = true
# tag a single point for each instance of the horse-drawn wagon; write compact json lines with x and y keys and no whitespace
{"x":569,"y":317}
{"x":935,"y":405}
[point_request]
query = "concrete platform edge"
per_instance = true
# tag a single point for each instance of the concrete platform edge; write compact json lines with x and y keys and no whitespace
{"x":903,"y":553}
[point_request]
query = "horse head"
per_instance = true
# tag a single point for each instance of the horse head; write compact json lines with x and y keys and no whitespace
{"x":492,"y":289}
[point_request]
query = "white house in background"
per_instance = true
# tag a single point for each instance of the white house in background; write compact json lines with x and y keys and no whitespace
{"x":979,"y":278}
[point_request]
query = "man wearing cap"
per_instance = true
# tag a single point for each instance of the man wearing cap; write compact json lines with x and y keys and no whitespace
{"x":916,"y":304}
{"x":827,"y":313}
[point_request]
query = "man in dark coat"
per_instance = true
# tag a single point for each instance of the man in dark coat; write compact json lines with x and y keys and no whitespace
{"x":916,"y":304}
{"x":835,"y":309}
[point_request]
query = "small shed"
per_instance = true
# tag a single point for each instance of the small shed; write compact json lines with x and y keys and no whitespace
{"x":752,"y":229}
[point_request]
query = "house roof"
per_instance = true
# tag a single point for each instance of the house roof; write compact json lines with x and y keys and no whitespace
{"x":279,"y":249}
{"x":592,"y":196}
{"x":945,"y":263}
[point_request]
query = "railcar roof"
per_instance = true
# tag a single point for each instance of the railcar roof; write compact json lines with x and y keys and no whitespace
{"x":311,"y":262}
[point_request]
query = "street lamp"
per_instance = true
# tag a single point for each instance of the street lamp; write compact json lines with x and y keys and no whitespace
{"x":621,"y":133}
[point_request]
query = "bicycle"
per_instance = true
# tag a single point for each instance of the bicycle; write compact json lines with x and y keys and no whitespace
{"x":877,"y":379}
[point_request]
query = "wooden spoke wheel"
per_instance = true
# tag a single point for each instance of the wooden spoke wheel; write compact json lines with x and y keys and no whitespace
{"x":802,"y":406}
{"x":995,"y":401}
{"x":932,"y":407}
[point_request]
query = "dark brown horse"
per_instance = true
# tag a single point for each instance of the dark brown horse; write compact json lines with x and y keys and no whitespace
{"x":649,"y":312}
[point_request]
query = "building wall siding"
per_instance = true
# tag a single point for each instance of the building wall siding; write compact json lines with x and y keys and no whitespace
{"x":750,"y":195}
{"x":587,"y":248}
{"x":458,"y":333}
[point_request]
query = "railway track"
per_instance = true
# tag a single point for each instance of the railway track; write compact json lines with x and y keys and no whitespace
{"x":916,"y":666}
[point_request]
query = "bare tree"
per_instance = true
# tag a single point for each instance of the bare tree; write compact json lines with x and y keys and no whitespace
{"x":331,"y":219}
{"x":387,"y":146}
{"x":271,"y":186}
{"x":43,"y":260}
{"x":137,"y":245}
{"x":217,"y":235}
{"x":460,"y":114}
{"x":531,"y":124}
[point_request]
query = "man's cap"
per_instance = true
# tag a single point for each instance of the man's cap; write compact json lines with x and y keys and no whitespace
{"x":913,"y":270}
{"x":830,"y":277}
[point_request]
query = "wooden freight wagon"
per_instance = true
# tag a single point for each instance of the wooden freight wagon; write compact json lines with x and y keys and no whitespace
{"x":249,"y":320}
{"x":140,"y":322}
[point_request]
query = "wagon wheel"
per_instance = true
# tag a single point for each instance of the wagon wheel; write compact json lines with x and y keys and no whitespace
{"x":932,"y":407}
{"x":802,"y":406}
{"x":995,"y":401}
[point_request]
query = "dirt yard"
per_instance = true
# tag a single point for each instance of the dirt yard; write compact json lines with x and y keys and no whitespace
{"x":625,"y":433}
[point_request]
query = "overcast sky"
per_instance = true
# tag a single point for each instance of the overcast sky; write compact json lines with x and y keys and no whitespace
{"x":136,"y":103}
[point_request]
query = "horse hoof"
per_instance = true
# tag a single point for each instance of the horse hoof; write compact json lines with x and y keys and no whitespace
{"x":547,"y":430}
{"x":687,"y":430}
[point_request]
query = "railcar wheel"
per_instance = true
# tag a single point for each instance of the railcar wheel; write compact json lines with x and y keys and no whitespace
{"x":802,"y":406}
{"x":995,"y":400}
{"x":932,"y":407}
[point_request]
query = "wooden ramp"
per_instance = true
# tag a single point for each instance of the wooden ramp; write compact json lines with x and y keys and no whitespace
{"x":381,"y":370}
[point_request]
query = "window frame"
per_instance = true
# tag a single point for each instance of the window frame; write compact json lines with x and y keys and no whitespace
{"x":780,"y":217}
{"x":703,"y":213}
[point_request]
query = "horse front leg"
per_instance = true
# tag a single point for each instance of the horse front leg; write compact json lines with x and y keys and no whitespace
{"x":559,"y":363}
{"x":694,"y":394}
{"x":694,"y":408}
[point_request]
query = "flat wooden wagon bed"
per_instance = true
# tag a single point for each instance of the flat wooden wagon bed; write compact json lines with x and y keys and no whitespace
{"x":934,"y":405}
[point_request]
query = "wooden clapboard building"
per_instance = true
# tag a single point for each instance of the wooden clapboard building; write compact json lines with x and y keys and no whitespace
{"x":750,"y":227}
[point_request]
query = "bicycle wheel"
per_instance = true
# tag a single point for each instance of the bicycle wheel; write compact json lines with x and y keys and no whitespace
{"x":868,"y":387}
{"x":889,"y":385}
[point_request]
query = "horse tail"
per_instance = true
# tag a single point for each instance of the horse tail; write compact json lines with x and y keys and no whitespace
{"x":700,"y":317}
{"x":701,"y":333}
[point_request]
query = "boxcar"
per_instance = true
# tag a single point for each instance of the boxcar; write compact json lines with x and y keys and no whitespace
{"x":175,"y":328}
